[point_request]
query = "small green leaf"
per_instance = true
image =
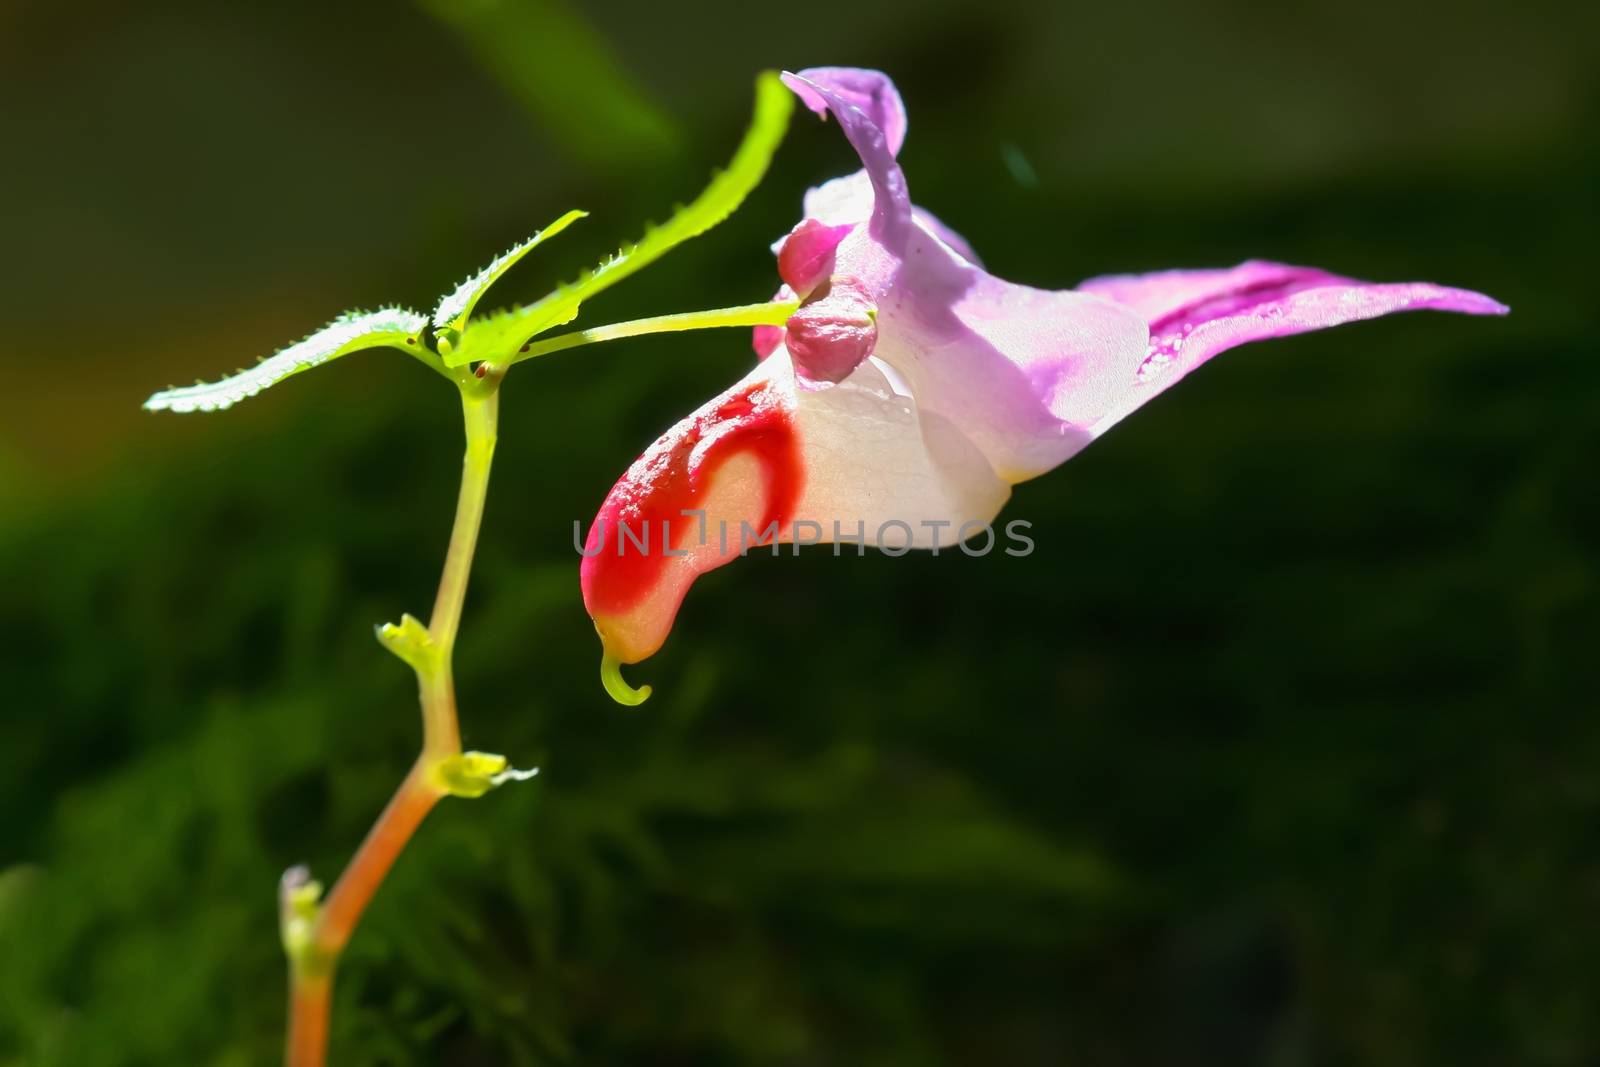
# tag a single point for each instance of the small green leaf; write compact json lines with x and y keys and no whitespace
{"x":496,"y":337}
{"x":455,"y":308}
{"x":350,"y":332}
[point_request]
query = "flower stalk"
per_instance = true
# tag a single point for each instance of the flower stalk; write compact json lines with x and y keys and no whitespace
{"x":770,"y":313}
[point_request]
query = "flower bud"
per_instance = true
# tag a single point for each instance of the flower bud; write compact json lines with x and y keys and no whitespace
{"x":829,"y":337}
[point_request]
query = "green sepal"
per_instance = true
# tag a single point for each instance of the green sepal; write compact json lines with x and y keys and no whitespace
{"x":409,"y":640}
{"x":497,"y":337}
{"x":472,"y":774}
{"x":456,"y":308}
{"x":350,"y":332}
{"x":299,"y":902}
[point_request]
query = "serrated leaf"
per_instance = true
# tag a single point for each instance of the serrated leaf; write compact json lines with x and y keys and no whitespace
{"x":350,"y":332}
{"x":497,"y":336}
{"x":455,"y":308}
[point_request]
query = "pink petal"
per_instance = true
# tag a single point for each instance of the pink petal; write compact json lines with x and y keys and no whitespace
{"x":1194,"y":315}
{"x":840,"y":201}
{"x":849,"y":200}
{"x":766,"y":339}
{"x":928,"y":221}
{"x":769,"y":461}
{"x":962,"y":384}
{"x":891,"y":210}
{"x":1015,"y":370}
{"x":737,"y":455}
{"x":869,"y":91}
{"x":1023,"y":373}
{"x":830,"y":336}
{"x":1213,"y":293}
{"x":805,"y":257}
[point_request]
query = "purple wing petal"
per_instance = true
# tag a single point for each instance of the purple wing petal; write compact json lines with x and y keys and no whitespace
{"x":891,"y":209}
{"x":1200,"y":295}
{"x":936,"y":226}
{"x":1023,"y":373}
{"x":871,"y":92}
{"x":1171,"y":292}
{"x":849,"y":200}
{"x":1195,"y":315}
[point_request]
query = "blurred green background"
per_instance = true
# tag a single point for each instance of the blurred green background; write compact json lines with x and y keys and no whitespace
{"x":1280,"y":749}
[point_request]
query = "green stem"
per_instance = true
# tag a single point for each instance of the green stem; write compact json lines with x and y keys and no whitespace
{"x":316,"y":934}
{"x":480,"y":410}
{"x":428,"y":358}
{"x":773,"y":313}
{"x":314,"y":956}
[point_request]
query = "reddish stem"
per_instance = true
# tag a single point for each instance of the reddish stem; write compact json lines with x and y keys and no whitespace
{"x":309,"y":999}
{"x":355,"y":888}
{"x":311,"y":977}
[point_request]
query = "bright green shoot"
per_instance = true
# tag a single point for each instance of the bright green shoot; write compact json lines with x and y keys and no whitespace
{"x":350,"y":332}
{"x":474,"y":354}
{"x":491,"y":338}
{"x":772,"y":313}
{"x":461,"y":341}
{"x":455,"y":308}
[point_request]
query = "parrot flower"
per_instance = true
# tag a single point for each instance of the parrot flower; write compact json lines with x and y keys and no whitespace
{"x":911,"y":389}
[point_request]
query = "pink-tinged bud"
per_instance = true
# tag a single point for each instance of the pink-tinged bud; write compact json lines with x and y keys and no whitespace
{"x":765,"y":340}
{"x":829,"y":337}
{"x":806,"y":257}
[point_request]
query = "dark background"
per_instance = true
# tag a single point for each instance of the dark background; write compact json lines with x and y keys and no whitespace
{"x":1280,"y":749}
